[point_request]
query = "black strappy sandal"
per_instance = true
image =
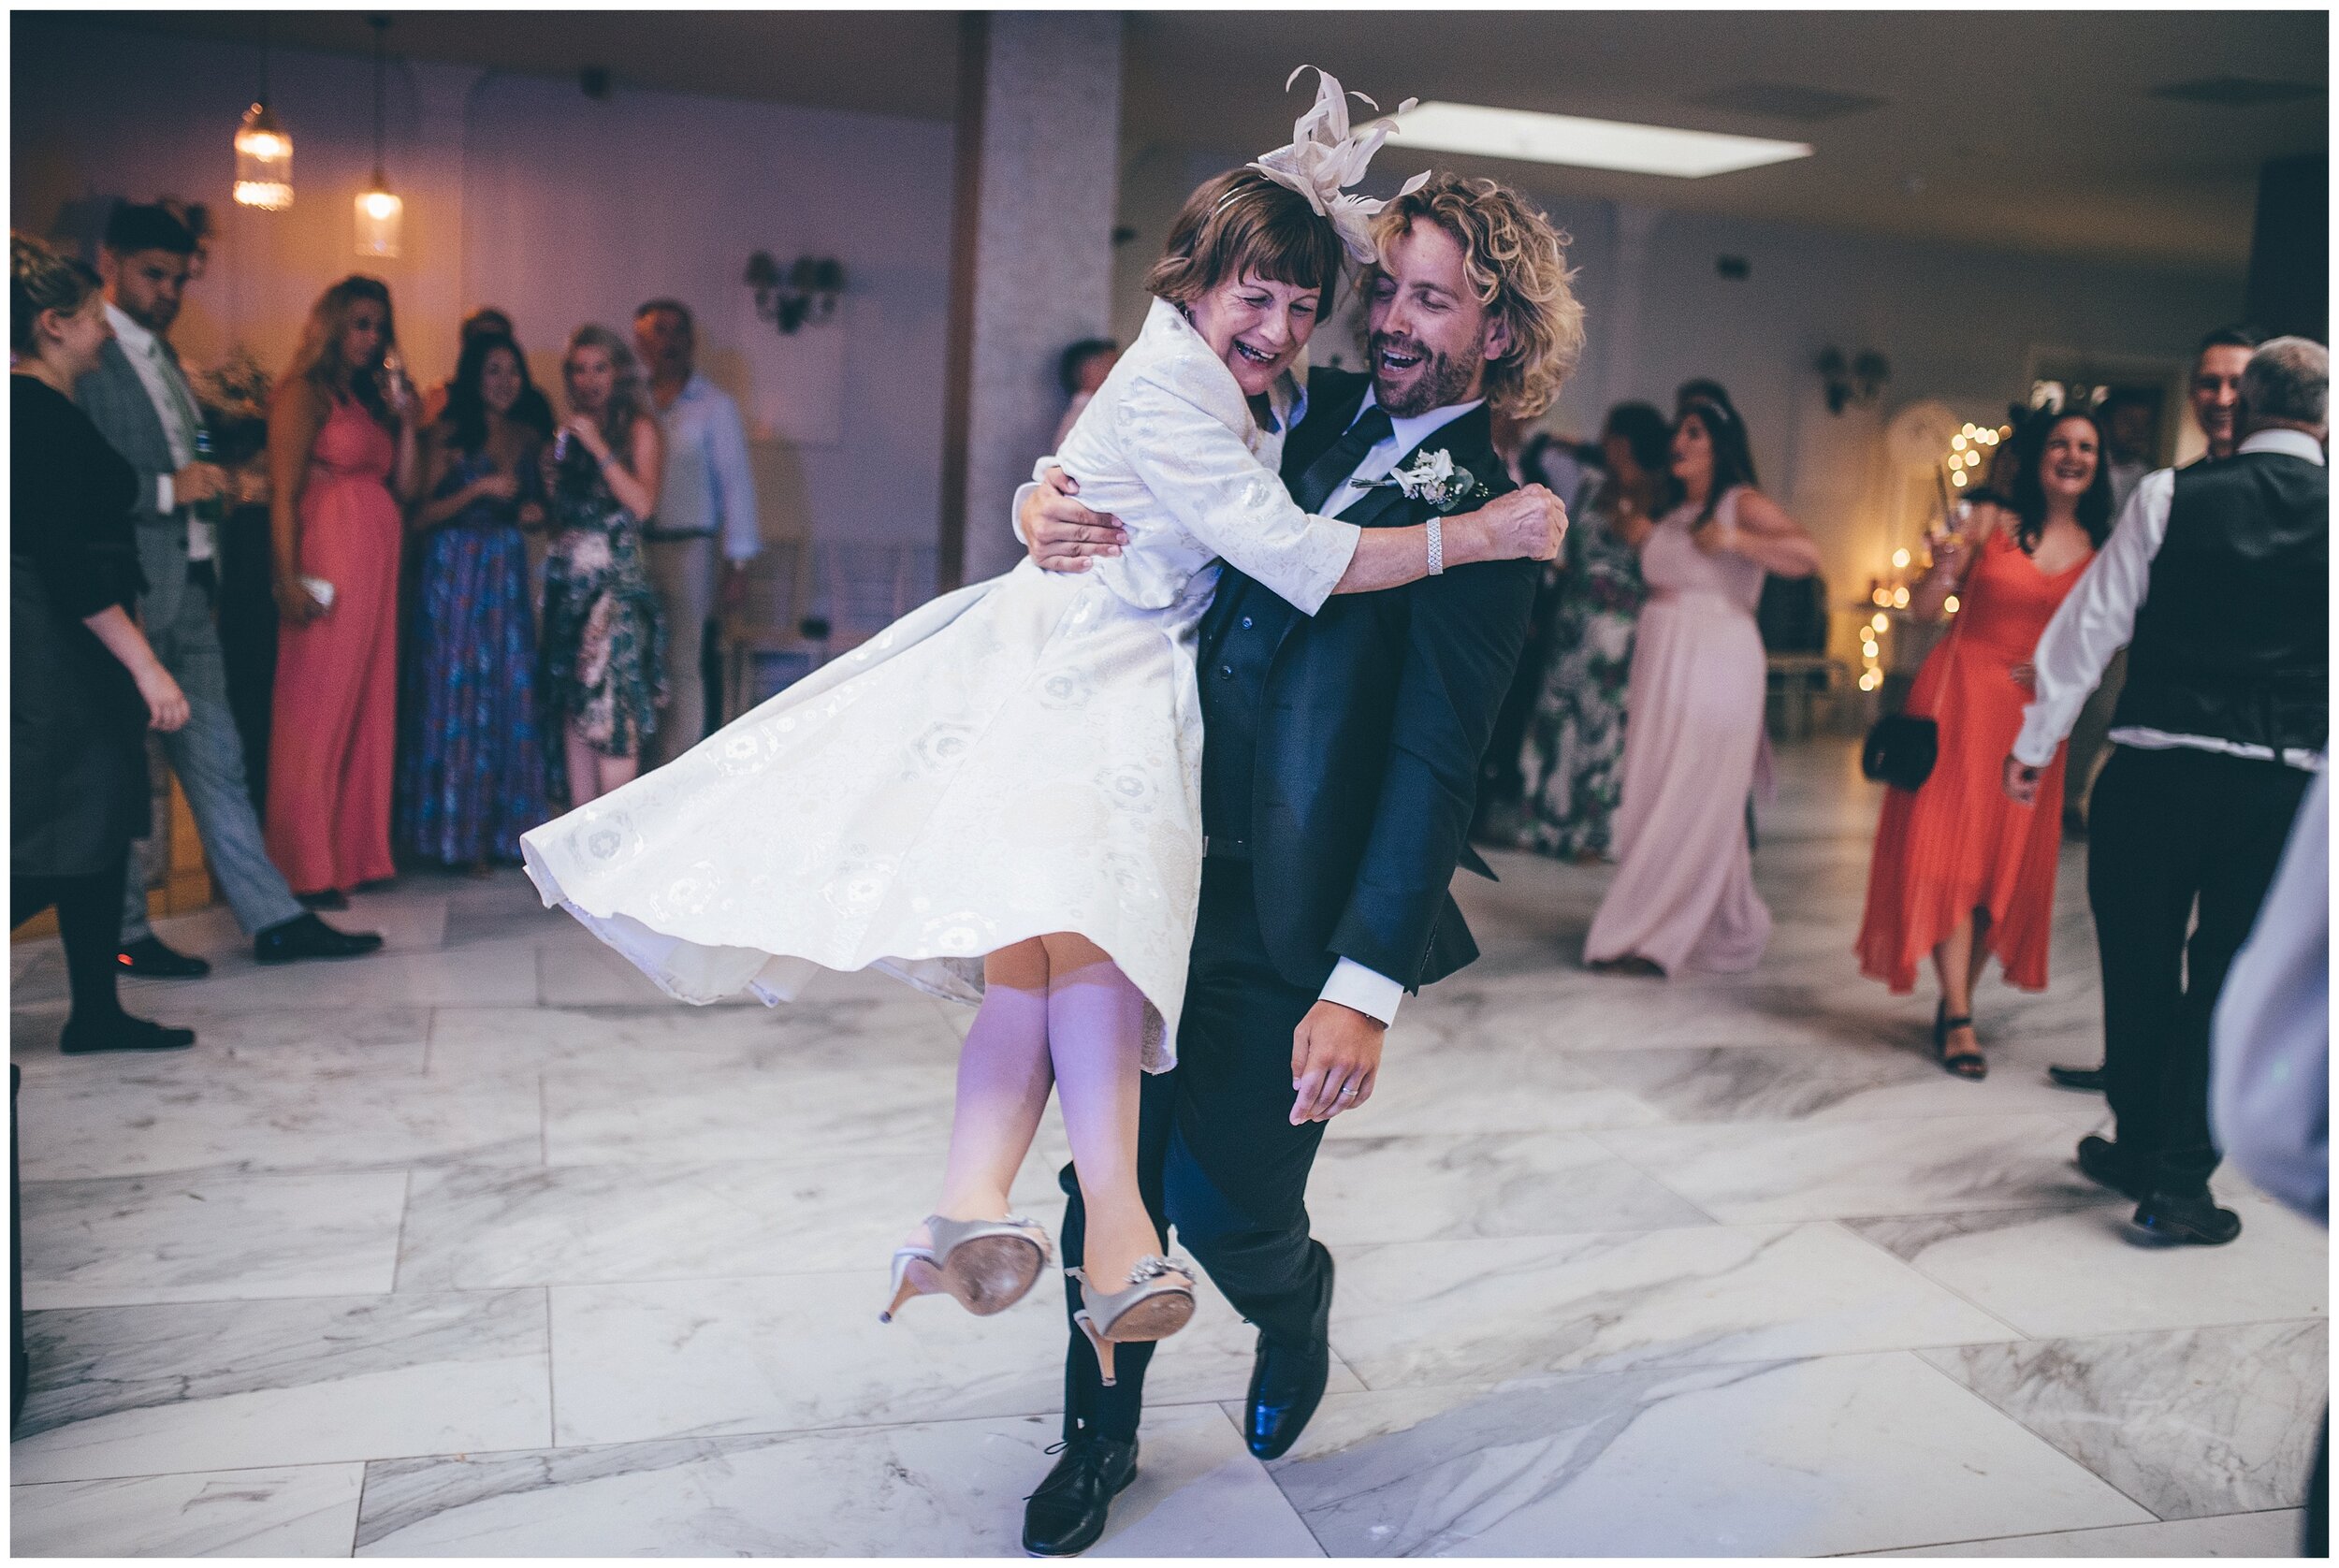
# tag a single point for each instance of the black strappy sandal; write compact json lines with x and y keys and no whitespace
{"x":1965,"y":1064}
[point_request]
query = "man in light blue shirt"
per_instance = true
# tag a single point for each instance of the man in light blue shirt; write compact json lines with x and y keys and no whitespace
{"x":706,"y":502}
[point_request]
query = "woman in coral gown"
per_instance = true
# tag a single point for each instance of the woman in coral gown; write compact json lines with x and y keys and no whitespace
{"x":341,"y":455}
{"x":1684,"y":895}
{"x":1961,"y":872}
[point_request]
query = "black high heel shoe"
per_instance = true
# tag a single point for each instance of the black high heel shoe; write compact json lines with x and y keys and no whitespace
{"x":1965,"y":1064}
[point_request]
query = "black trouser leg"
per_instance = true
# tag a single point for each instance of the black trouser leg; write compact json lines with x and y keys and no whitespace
{"x":2318,"y":1542}
{"x":2143,"y":868}
{"x":2246,"y":809}
{"x":89,"y":920}
{"x":1087,"y":1402}
{"x":1237,"y":1169}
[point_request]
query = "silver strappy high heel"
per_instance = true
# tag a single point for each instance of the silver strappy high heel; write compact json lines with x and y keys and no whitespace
{"x":1158,"y":1302}
{"x":986,"y":1265}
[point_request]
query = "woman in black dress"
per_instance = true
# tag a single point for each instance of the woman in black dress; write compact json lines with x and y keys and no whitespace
{"x":83,"y":683}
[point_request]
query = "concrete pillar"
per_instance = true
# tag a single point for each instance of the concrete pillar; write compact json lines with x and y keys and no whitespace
{"x":1040,"y":98}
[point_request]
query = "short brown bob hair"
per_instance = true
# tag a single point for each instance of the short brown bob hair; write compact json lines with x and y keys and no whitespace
{"x":1243,"y":223}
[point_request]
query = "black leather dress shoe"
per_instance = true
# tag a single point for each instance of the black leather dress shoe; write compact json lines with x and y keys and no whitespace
{"x":1067,"y":1515}
{"x":307,"y":937}
{"x":148,"y":956}
{"x":2089,"y":1079}
{"x":1287,"y":1386}
{"x":121,"y":1033}
{"x":2166,"y":1217}
{"x":2104,"y":1161}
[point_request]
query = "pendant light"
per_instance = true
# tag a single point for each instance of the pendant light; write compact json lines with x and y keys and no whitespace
{"x":263,"y":151}
{"x":379,"y":212}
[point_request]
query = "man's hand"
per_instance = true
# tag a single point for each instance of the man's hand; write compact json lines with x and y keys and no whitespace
{"x":197,"y":482}
{"x":1060,"y":532}
{"x":732,"y":597}
{"x":2022,"y":782}
{"x":1336,"y":1056}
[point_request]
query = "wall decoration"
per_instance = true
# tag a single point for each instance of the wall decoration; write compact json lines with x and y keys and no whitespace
{"x":1857,"y":380}
{"x":804,"y":292}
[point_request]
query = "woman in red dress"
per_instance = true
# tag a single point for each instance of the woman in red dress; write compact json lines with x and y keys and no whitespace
{"x":1960,"y":871}
{"x":341,"y":454}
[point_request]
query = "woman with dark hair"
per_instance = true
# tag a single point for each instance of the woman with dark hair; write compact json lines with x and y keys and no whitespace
{"x":1959,"y":870}
{"x":602,"y":674}
{"x":1571,"y":758}
{"x":83,"y":686}
{"x":1684,"y":896}
{"x":472,"y":775}
{"x":341,"y":461}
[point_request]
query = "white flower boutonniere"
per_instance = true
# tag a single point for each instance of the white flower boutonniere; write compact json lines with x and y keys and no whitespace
{"x":1433,"y":477}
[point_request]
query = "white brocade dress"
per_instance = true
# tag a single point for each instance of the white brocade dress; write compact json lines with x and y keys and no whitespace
{"x":1019,"y":758}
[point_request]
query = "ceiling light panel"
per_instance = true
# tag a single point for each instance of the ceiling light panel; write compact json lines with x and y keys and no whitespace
{"x":1566,"y":138}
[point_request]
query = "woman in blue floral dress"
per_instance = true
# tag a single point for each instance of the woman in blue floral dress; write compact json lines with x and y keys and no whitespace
{"x":602,"y":674}
{"x":472,"y":772}
{"x":1572,"y":758}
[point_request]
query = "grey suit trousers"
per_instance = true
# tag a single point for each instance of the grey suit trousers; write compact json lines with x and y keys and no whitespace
{"x":207,"y":754}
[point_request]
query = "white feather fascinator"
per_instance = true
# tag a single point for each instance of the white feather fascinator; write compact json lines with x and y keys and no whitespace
{"x":1325,"y":157}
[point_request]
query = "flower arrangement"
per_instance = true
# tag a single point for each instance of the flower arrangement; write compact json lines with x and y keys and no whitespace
{"x":233,"y":399}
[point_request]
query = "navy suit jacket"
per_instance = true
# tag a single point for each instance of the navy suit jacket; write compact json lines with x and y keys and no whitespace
{"x":1374,"y":716}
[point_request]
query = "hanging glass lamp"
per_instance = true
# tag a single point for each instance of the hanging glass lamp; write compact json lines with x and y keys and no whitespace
{"x":380,"y":214}
{"x":263,"y":151}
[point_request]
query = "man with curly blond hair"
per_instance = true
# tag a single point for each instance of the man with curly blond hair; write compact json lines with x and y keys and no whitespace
{"x":1339,"y":774}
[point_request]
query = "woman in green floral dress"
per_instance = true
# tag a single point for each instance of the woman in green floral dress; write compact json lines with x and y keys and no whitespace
{"x":1571,"y":759}
{"x":602,"y":666}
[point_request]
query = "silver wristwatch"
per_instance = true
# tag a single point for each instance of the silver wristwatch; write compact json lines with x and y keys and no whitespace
{"x":1437,"y":545}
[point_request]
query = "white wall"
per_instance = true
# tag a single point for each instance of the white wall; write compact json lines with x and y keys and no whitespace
{"x":523,"y":192}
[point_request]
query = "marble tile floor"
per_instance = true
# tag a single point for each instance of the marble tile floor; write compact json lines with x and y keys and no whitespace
{"x":481,"y":1248}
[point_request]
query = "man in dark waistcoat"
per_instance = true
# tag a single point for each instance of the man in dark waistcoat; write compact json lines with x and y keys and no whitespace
{"x":1339,"y":774}
{"x":2215,"y":581}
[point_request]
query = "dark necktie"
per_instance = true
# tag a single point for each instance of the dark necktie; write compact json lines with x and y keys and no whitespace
{"x":1340,"y":460}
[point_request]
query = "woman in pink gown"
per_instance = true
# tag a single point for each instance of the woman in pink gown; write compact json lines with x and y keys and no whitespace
{"x":341,"y":453}
{"x":1684,"y":895}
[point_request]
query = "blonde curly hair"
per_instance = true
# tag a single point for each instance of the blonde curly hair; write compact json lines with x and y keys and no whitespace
{"x":1517,"y":264}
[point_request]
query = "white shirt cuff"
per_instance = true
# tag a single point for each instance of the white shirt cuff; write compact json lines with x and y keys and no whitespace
{"x":166,"y":495}
{"x":1367,"y":991}
{"x":1015,"y":512}
{"x":2035,"y":751}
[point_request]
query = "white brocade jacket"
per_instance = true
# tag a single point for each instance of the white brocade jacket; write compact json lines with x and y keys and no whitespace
{"x":1150,"y":448}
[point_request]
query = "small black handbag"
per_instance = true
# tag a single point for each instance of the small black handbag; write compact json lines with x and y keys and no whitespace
{"x":1900,"y":750}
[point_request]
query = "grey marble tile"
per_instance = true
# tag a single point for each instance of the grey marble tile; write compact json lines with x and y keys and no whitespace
{"x":1757,"y":1171}
{"x":482,"y":1227}
{"x":415,"y":975}
{"x":1838,"y":1082}
{"x":2190,"y":1423}
{"x":1837,"y":1454}
{"x":1438,"y":1079}
{"x":121,"y":1391}
{"x":303,"y":1511}
{"x":2274,"y":1534}
{"x":2056,"y":1273}
{"x":933,"y":1490}
{"x":678,"y":1042}
{"x":138,"y":1238}
{"x":292,"y":1045}
{"x":1483,"y":1311}
{"x":601,"y":1116}
{"x":1368,"y":1190}
{"x":188,"y":1115}
{"x":718,"y":1358}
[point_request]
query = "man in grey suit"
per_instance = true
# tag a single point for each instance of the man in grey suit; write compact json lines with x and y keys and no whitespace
{"x":140,"y":399}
